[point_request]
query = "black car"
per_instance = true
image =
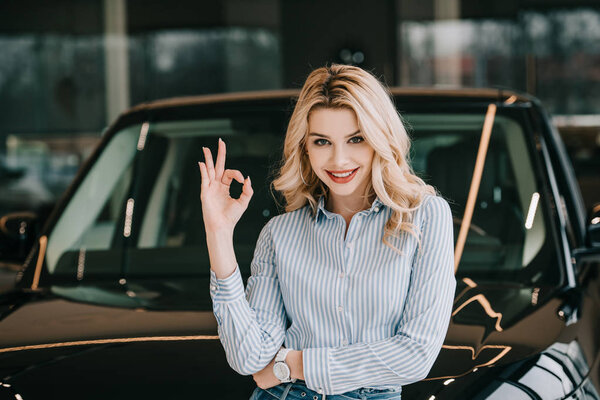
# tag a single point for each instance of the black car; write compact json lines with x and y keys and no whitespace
{"x":113,"y":299}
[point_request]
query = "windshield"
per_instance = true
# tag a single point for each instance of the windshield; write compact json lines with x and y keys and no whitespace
{"x":137,"y":213}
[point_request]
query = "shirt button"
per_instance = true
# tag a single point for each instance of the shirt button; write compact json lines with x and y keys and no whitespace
{"x":345,"y":342}
{"x":349,"y":245}
{"x":340,"y":308}
{"x":213,"y":288}
{"x":342,"y":274}
{"x":376,"y":209}
{"x":320,"y":391}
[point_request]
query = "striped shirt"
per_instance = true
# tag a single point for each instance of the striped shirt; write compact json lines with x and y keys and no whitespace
{"x":363,"y":315}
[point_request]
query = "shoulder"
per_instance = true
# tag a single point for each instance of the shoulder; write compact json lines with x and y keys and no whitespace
{"x":431,"y":201}
{"x":434,"y":207}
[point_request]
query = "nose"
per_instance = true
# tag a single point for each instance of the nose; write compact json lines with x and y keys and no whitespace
{"x":339,"y":156}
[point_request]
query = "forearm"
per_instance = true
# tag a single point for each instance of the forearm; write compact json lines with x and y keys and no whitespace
{"x":221,"y":253}
{"x":249,"y":344}
{"x":251,"y":324}
{"x":397,"y":360}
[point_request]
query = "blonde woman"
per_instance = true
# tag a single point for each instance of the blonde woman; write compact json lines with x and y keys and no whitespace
{"x":351,"y":288}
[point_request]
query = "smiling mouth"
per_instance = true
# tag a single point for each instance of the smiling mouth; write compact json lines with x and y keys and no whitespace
{"x":342,"y":176}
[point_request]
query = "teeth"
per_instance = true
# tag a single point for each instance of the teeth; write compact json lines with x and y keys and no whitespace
{"x":342,"y":175}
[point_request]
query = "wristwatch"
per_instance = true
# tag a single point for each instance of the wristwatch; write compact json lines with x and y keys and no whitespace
{"x":280,"y":368}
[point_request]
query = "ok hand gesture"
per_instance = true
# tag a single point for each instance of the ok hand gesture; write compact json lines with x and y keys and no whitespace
{"x":219,"y":210}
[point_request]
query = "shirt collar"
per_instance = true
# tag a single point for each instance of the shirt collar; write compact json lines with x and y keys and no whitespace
{"x":375,"y":207}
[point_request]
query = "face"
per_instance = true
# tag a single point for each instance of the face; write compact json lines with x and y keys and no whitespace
{"x":336,"y":146}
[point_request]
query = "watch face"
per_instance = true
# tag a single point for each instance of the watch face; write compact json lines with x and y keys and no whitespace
{"x":281,"y":371}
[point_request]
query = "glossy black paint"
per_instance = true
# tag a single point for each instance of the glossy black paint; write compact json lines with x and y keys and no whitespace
{"x":505,"y":341}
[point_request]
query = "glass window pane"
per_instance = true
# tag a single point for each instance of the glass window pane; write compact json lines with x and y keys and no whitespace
{"x":91,"y":218}
{"x":507,"y":229}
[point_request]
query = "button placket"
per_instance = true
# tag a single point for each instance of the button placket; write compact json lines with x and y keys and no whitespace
{"x":355,"y":223}
{"x":349,"y":244}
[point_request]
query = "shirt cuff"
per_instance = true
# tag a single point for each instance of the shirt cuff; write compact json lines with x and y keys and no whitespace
{"x":227,"y":289}
{"x":315,"y":363}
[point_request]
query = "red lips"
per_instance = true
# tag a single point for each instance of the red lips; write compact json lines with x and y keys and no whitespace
{"x":345,"y":179}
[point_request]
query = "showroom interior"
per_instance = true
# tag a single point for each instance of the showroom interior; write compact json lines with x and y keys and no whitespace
{"x":69,"y":68}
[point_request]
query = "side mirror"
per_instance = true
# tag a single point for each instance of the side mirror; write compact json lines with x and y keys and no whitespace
{"x":18,"y":232}
{"x":593,"y":228}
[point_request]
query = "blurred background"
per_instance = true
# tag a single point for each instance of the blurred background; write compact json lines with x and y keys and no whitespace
{"x":68,"y":68}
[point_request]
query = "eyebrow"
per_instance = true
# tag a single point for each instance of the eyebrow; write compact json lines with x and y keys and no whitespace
{"x":325,"y":136}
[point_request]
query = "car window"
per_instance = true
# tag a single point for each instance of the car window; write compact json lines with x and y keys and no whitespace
{"x":146,"y":198}
{"x":507,"y":234}
{"x":88,"y":225}
{"x":169,"y":214}
{"x":143,"y":194}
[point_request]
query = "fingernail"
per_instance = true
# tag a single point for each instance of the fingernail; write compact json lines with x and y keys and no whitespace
{"x":220,"y":140}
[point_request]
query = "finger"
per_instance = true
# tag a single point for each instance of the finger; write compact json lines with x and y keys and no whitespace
{"x":231,"y":174}
{"x":210,"y":167}
{"x":220,"y":165}
{"x":203,"y":175}
{"x":247,"y":192}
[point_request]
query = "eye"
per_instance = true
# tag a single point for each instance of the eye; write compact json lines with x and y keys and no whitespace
{"x":318,"y":142}
{"x":360,"y":139}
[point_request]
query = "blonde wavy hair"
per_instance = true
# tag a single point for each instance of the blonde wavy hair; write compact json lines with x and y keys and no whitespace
{"x":392,"y":178}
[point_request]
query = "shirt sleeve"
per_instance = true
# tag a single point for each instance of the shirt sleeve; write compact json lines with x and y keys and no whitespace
{"x":407,"y":356}
{"x":251,"y":325}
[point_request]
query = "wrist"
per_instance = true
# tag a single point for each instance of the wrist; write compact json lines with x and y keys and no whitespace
{"x":220,"y":233}
{"x":221,"y":253}
{"x":294,"y":360}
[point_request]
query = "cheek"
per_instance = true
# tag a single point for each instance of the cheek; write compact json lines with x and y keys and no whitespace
{"x":311,"y":157}
{"x":367,"y":156}
{"x":314,"y":163}
{"x":317,"y":155}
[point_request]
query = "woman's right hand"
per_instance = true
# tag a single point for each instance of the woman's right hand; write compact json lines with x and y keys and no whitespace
{"x":220,"y":211}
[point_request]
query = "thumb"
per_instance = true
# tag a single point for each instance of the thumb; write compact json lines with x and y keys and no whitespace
{"x":246,"y":192}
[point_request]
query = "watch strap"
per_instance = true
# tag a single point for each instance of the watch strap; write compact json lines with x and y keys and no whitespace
{"x":281,"y":354}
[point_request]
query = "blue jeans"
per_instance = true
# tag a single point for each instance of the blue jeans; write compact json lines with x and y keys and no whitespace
{"x":299,"y":391}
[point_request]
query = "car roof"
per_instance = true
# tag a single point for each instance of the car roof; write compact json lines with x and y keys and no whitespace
{"x":479,"y":94}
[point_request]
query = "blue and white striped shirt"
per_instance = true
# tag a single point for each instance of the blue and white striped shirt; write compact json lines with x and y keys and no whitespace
{"x":363,"y":315}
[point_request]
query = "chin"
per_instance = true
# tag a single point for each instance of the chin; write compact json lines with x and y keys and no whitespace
{"x":342,"y":192}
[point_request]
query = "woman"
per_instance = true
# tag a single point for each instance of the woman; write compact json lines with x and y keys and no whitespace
{"x":360,"y":265}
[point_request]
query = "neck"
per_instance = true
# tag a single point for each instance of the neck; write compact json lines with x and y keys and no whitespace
{"x":347,"y":206}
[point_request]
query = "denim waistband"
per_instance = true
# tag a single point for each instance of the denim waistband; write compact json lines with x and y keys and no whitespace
{"x":299,"y":389}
